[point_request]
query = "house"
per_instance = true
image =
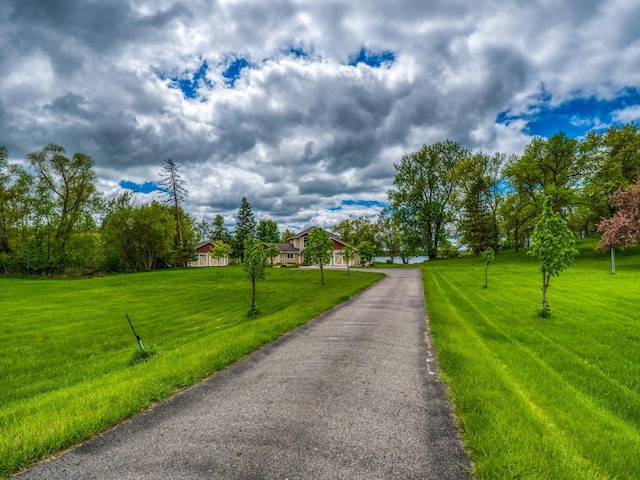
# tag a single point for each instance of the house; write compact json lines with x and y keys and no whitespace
{"x":206,"y":260}
{"x":293,"y":251}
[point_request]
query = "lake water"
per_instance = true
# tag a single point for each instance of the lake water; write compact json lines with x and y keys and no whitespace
{"x":419,"y":259}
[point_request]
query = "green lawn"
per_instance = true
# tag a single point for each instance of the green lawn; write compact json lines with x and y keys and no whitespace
{"x":66,"y":346}
{"x":555,"y":398}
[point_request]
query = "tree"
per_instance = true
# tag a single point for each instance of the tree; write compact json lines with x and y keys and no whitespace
{"x":356,"y":230}
{"x":348,"y":254}
{"x":245,"y":228}
{"x":67,"y":198}
{"x":318,"y":249}
{"x":152,"y":231}
{"x":219,"y":250}
{"x":267,"y":231}
{"x":272,"y":252}
{"x":553,"y":246}
{"x":219,"y":231}
{"x":202,"y":230}
{"x":479,"y":223}
{"x":138,"y":238}
{"x":367,"y":251}
{"x":426,"y":184}
{"x":489,"y":256}
{"x":15,"y":206}
{"x":623,"y":229}
{"x":286,"y":235}
{"x":548,"y":167}
{"x":388,"y":234}
{"x":175,"y":193}
{"x":255,"y":266}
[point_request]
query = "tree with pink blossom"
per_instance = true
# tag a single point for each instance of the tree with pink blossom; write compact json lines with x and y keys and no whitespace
{"x":623,"y":229}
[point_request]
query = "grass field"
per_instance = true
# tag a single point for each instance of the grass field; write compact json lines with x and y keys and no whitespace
{"x":66,"y":348}
{"x":555,"y":398}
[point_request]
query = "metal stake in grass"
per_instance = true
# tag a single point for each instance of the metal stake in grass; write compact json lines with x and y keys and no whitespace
{"x":134,"y":332}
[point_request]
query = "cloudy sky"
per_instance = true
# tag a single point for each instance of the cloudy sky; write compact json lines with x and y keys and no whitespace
{"x":303,"y":106}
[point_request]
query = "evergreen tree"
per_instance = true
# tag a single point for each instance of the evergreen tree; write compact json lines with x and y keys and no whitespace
{"x":175,"y":193}
{"x":245,"y":228}
{"x":219,"y":231}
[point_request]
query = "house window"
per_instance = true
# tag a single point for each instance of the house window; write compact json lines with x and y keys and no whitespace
{"x":289,"y":256}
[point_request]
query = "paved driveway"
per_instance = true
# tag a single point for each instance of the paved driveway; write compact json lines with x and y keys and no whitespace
{"x":351,"y":395}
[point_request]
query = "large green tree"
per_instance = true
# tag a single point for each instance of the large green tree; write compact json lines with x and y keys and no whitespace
{"x":478,"y":224}
{"x":548,"y":167}
{"x":15,"y":206}
{"x":612,"y":159}
{"x":388,"y":234}
{"x":138,"y":237}
{"x":553,"y":246}
{"x":67,"y":199}
{"x":267,"y":231}
{"x":318,"y":249}
{"x":425,"y":188}
{"x":354,"y":231}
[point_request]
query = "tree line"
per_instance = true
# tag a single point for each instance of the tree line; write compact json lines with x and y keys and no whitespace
{"x":446,"y":194}
{"x":54,"y":221}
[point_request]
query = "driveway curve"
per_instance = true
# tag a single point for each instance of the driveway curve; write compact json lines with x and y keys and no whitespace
{"x":353,"y":394}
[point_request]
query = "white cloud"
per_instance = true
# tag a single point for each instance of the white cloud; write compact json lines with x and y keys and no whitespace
{"x":296,"y":135}
{"x":628,"y":114}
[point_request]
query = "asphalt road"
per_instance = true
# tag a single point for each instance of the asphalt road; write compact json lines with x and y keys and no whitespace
{"x":353,"y":394}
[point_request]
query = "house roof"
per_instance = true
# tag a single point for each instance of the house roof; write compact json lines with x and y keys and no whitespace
{"x":202,"y":244}
{"x":284,"y":247}
{"x":307,"y":231}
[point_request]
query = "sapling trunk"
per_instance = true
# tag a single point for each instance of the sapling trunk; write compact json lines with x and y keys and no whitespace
{"x":613,"y":261}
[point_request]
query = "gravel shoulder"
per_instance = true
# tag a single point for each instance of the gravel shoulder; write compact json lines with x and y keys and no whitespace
{"x":353,"y":394}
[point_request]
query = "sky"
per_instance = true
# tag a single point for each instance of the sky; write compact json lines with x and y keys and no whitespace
{"x":304,"y":106}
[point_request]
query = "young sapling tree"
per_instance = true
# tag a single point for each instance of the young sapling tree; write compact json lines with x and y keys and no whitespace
{"x":554,"y":246}
{"x":318,"y":249}
{"x":255,"y":265}
{"x":219,"y":250}
{"x":489,"y":257}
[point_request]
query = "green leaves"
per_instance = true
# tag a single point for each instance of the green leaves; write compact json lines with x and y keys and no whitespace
{"x":553,"y":242}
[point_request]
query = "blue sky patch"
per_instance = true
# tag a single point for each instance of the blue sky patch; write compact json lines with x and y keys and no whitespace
{"x":360,"y":203}
{"x":232,"y":73}
{"x":374,"y":60}
{"x":146,"y":187}
{"x":298,"y":52}
{"x":190,"y":82}
{"x":575,"y":117}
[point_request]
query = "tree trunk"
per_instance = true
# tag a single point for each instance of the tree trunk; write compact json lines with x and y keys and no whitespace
{"x":613,"y":261}
{"x":321,"y":273}
{"x":253,"y":295}
{"x":545,"y":285}
{"x":486,"y":276}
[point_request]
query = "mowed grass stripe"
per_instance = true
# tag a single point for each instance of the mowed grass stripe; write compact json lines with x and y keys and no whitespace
{"x":66,"y":367}
{"x":496,"y":348}
{"x":594,"y":411}
{"x":506,"y":405}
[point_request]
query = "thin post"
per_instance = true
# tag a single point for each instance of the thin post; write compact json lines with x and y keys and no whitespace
{"x":134,"y":332}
